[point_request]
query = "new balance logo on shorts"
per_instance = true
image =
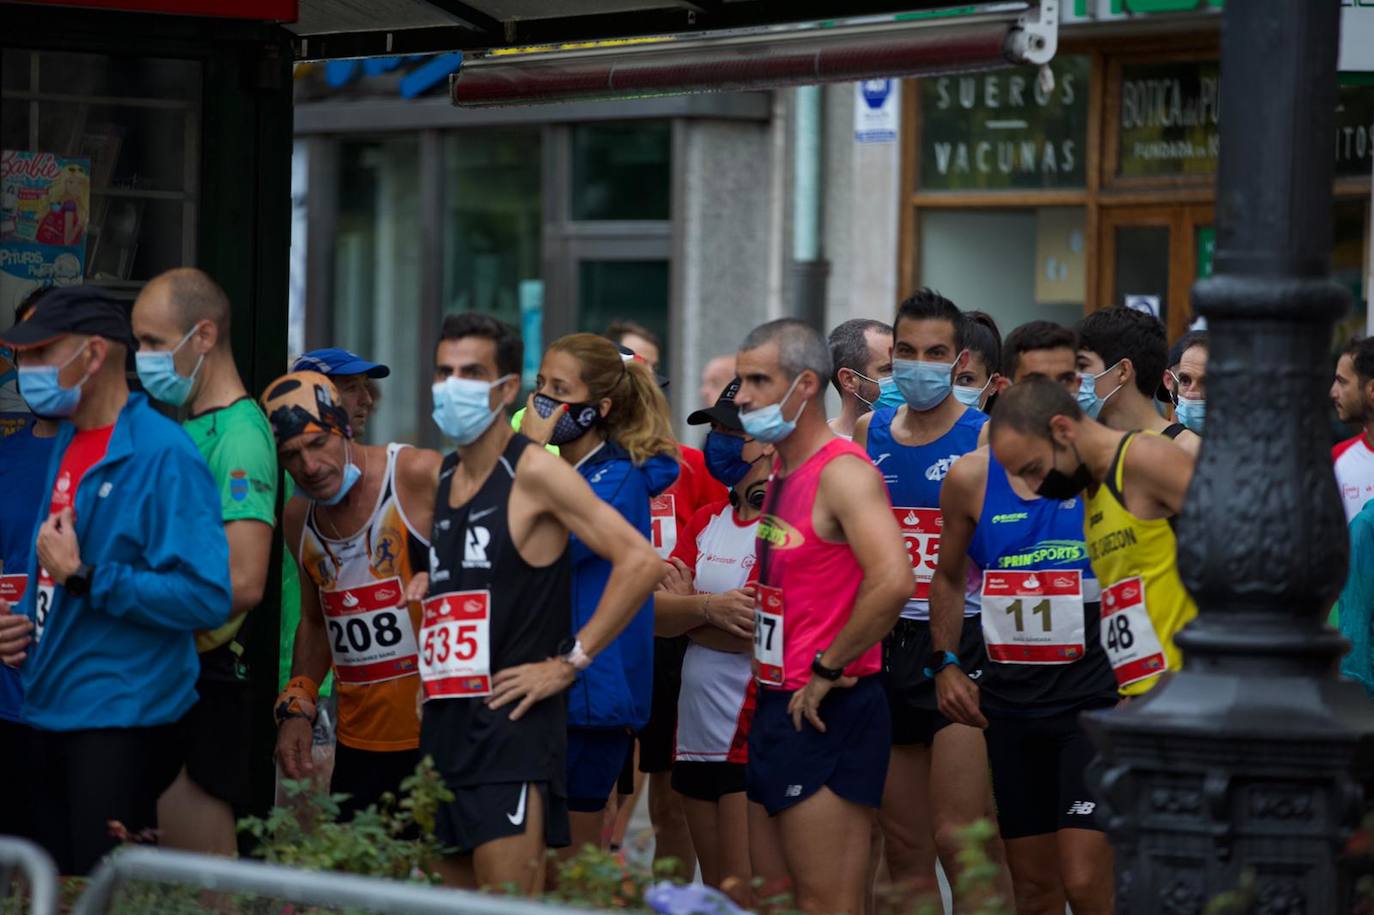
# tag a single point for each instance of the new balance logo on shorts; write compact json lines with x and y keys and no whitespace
{"x":793,"y":791}
{"x":1081,"y":809}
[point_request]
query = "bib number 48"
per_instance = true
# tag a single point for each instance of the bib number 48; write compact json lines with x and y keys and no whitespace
{"x":1128,"y":634}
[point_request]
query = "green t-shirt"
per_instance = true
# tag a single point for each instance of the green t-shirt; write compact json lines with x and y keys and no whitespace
{"x":237,"y":443}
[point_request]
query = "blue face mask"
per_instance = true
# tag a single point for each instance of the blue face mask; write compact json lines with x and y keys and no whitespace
{"x":767,"y":424}
{"x":924,"y":385}
{"x":724,"y":458}
{"x":351,"y":475}
{"x":1192,"y":413}
{"x":969,"y":396}
{"x":1088,"y":400}
{"x":158,"y":372}
{"x":889,"y":395}
{"x":462,"y":407}
{"x":43,"y":392}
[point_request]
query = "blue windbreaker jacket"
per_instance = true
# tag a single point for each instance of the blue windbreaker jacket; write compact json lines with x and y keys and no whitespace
{"x":148,"y":521}
{"x":616,"y":690}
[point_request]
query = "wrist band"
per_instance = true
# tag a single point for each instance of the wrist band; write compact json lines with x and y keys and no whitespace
{"x":298,"y":700}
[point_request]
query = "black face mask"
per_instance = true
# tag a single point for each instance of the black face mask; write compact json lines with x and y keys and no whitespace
{"x":1062,"y":486}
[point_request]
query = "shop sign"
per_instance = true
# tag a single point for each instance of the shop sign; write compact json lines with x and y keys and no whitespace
{"x":1170,"y":122}
{"x":875,"y":111}
{"x":1005,"y":130}
{"x":1089,"y":10}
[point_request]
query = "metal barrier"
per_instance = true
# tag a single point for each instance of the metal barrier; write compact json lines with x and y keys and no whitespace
{"x":287,"y":884}
{"x":38,"y":869}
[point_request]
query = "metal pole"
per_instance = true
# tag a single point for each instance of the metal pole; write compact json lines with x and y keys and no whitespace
{"x":1250,"y":760}
{"x":38,"y":869}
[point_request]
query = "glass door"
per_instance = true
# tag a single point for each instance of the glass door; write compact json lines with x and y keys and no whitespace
{"x":1150,"y":258}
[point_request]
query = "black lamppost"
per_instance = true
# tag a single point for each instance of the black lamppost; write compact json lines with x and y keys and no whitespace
{"x":1254,"y":757}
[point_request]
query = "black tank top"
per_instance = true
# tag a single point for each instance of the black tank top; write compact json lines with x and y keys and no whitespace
{"x":530,"y":615}
{"x":1174,"y":430}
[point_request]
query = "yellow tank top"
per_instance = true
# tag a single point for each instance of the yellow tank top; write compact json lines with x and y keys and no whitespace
{"x":371,"y":635}
{"x":1144,"y":603}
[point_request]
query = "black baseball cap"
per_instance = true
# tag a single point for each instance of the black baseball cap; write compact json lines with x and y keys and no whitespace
{"x":724,"y":412}
{"x":72,"y":310}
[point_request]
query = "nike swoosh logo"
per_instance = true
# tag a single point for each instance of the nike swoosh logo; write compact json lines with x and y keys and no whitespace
{"x":519,"y":816}
{"x":477,"y":516}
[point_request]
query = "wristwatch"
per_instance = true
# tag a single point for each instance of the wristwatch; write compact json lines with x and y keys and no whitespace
{"x":938,"y":661}
{"x":825,"y":673}
{"x":79,"y":582}
{"x":570,"y":651}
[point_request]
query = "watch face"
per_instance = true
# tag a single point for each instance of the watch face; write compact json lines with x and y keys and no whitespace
{"x":565,"y":647}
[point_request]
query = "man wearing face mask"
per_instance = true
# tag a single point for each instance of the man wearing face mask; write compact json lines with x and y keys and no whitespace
{"x":832,"y":581}
{"x":130,"y":560}
{"x":1045,"y":662}
{"x":861,"y":351}
{"x":181,"y":322}
{"x":359,"y":527}
{"x":937,"y":783}
{"x":497,"y":652}
{"x":1135,"y":484}
{"x":1122,"y":354}
{"x":1185,"y":384}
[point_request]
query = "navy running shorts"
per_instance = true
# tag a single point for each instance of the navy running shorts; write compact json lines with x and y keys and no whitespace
{"x":786,"y":766}
{"x":595,"y":758}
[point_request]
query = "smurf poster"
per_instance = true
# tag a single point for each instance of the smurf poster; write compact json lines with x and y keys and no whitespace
{"x":45,"y":206}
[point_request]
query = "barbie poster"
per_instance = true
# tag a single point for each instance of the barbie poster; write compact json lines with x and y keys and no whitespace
{"x":45,"y":205}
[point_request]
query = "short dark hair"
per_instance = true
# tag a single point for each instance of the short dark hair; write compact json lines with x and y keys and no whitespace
{"x":981,"y":336}
{"x":1123,"y":333}
{"x":927,"y":304}
{"x":1361,"y":353}
{"x":29,"y":302}
{"x":1032,"y":336}
{"x":510,"y":349}
{"x":1028,"y":407}
{"x":1184,"y":343}
{"x":849,"y":346}
{"x":619,"y":329}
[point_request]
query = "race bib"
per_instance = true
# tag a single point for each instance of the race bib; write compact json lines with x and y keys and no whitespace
{"x":663,"y":524}
{"x":1034,"y":617}
{"x":1128,"y":635}
{"x":42,"y":603}
{"x":12,"y":587}
{"x":921,"y":534}
{"x":455,"y":645}
{"x":768,"y":635}
{"x":370,"y":636}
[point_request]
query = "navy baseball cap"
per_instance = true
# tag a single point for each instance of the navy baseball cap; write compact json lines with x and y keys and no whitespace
{"x":65,"y":310}
{"x":1181,"y":345}
{"x":724,"y":412}
{"x":334,"y":361}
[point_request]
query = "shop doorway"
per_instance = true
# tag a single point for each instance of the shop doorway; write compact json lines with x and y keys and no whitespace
{"x":1151,"y":256}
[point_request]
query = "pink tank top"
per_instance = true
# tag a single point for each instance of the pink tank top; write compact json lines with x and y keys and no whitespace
{"x":806,"y":586}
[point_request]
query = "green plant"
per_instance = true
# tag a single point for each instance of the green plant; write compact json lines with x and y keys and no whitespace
{"x":600,"y":879}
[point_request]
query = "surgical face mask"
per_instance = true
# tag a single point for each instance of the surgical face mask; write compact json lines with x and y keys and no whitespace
{"x":576,"y":422}
{"x":768,"y":424}
{"x":725,"y":458}
{"x":43,"y":392}
{"x":970,"y":396}
{"x":924,"y":385}
{"x":158,"y":372}
{"x":1062,"y":486}
{"x":874,"y":381}
{"x":462,"y":407}
{"x":889,"y":395}
{"x":1087,"y":393}
{"x":351,"y":474}
{"x":1192,"y":413}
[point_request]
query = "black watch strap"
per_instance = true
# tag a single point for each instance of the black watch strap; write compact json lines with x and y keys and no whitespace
{"x":825,"y":673}
{"x":79,"y":582}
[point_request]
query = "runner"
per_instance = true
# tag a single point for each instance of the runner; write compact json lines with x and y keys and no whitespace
{"x":354,"y":377}
{"x":637,"y":338}
{"x":609,"y":420}
{"x":981,"y":379}
{"x":181,"y":322}
{"x":495,"y":651}
{"x":832,"y":581}
{"x":709,"y":598}
{"x":1353,"y":394}
{"x":26,"y":443}
{"x":1135,"y":486}
{"x":861,"y":352}
{"x":358,"y":528}
{"x":1122,"y":355}
{"x":1037,"y":678}
{"x":937,"y":783}
{"x":1185,"y":383}
{"x":129,"y":560}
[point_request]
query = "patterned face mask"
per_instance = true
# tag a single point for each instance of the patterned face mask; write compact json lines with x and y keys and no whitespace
{"x":576,"y":422}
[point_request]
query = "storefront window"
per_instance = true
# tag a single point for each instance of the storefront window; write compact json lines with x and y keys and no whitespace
{"x":101,"y":162}
{"x":621,"y":171}
{"x":494,"y":212}
{"x":377,"y":275}
{"x":1017,"y":265}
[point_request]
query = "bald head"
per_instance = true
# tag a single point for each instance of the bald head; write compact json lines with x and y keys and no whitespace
{"x":193,"y":297}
